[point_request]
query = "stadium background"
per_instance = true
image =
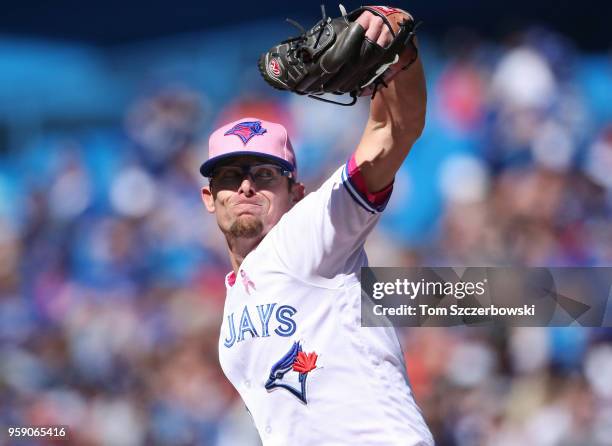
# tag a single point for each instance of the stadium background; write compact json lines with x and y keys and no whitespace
{"x":111,"y":272}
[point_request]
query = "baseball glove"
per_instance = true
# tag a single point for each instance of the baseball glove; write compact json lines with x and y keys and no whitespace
{"x":335,"y":56}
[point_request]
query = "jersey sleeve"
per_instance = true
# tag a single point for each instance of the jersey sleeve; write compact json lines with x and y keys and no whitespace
{"x":323,"y":235}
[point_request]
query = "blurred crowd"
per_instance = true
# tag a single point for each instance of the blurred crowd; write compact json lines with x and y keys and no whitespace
{"x":111,"y":271}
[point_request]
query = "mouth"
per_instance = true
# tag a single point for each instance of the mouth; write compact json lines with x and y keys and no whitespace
{"x":244,"y":207}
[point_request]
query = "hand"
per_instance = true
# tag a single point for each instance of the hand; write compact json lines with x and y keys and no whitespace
{"x":375,"y":29}
{"x":377,"y":32}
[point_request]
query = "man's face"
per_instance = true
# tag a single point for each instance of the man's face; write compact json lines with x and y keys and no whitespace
{"x":248,"y":205}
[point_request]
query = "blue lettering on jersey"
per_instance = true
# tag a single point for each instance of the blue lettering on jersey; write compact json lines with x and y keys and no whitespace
{"x":286,"y":325}
{"x":229,"y":342}
{"x":285,"y":320}
{"x":246,"y":324}
{"x":264,"y":317}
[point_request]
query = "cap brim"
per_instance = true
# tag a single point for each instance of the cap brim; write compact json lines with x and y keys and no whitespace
{"x":207,"y":168}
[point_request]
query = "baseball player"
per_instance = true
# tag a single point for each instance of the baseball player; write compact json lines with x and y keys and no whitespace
{"x":291,"y":341}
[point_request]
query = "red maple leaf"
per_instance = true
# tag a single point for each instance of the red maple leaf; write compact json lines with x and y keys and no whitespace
{"x":305,"y":362}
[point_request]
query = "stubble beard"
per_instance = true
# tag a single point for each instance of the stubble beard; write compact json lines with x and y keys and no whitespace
{"x":246,"y":227}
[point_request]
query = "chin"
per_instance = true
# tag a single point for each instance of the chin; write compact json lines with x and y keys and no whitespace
{"x":247,"y":226}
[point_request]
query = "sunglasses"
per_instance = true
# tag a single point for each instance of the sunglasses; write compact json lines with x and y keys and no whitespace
{"x":262,"y":175}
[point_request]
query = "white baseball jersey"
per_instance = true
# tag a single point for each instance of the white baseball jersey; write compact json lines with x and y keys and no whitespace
{"x":291,"y":340}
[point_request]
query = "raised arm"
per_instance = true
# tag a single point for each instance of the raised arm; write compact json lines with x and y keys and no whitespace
{"x":397,"y":115}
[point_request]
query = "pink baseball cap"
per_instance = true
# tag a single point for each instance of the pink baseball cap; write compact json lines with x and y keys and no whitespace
{"x":250,"y":136}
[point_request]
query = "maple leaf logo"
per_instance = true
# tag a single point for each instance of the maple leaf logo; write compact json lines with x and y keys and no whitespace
{"x":305,"y":362}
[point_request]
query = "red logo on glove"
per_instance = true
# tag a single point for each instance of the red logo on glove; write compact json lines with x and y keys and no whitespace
{"x":386,"y":10}
{"x":274,"y":68}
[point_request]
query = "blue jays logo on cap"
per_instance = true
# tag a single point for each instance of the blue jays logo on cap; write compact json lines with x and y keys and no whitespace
{"x":246,"y":130}
{"x":295,"y":360}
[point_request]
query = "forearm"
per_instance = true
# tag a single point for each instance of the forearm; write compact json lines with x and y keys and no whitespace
{"x":396,"y":120}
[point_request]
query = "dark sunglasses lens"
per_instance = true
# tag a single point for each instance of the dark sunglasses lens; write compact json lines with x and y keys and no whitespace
{"x":230,"y":177}
{"x":227,"y":177}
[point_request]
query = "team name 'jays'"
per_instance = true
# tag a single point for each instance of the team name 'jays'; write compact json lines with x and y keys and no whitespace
{"x":283,"y":315}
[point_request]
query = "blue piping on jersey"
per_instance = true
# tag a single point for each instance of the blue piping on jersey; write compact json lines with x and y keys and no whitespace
{"x":353,"y":192}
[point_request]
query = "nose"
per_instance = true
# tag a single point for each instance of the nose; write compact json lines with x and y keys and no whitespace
{"x":247,"y":186}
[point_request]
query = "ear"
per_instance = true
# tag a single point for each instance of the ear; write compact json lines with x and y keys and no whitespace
{"x":208,"y":199}
{"x":297,"y":192}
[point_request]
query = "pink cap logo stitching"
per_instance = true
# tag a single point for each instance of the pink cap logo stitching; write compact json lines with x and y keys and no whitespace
{"x":246,"y":130}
